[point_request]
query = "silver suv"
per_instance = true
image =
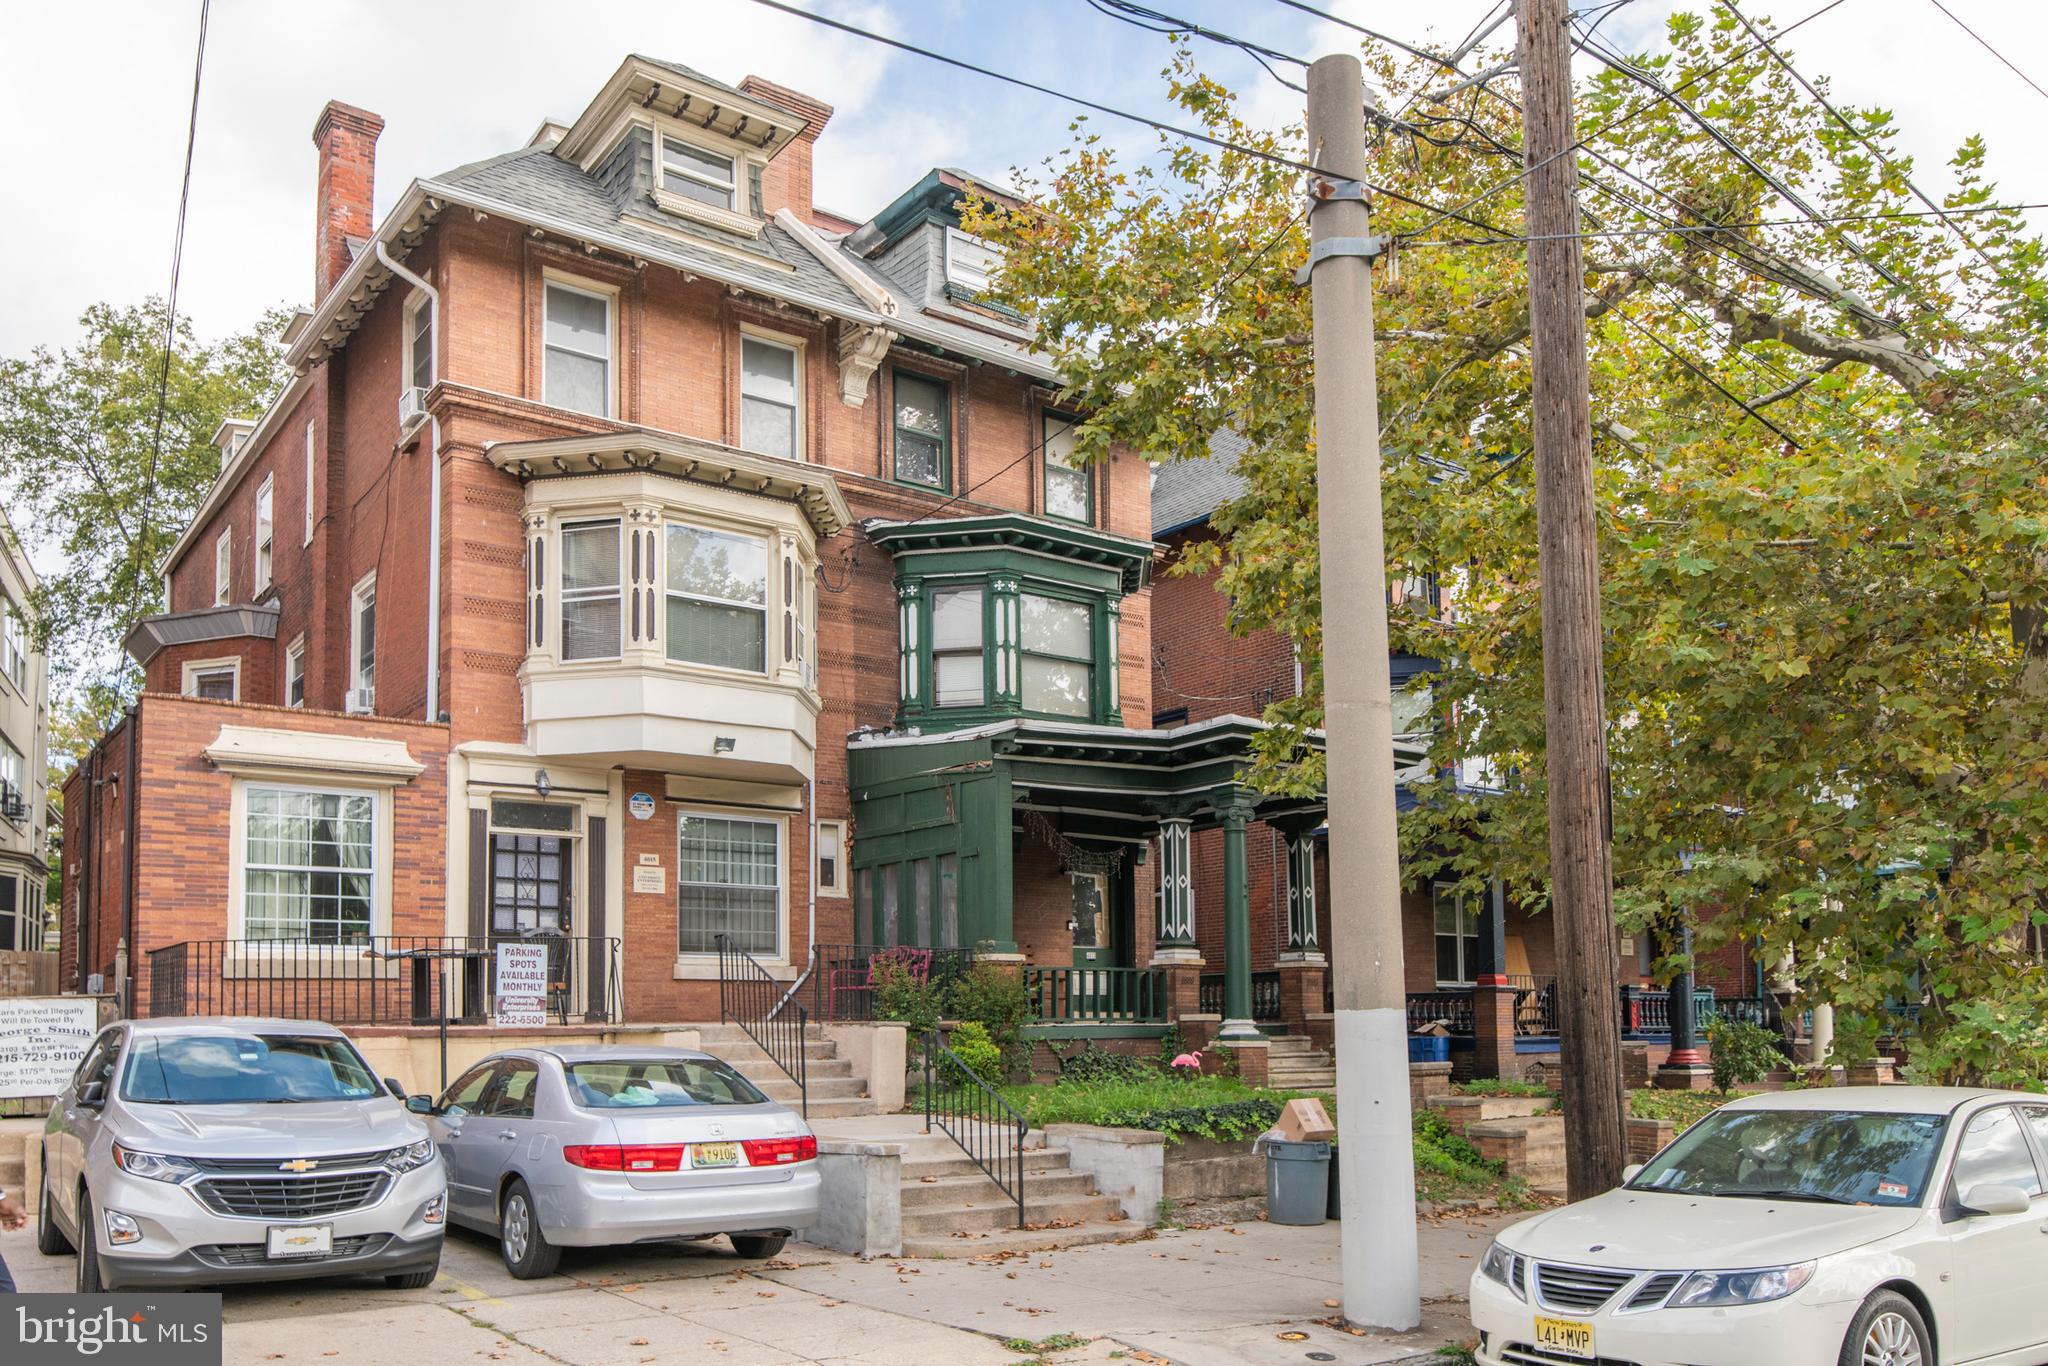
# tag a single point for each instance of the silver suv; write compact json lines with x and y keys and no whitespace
{"x":201,"y":1151}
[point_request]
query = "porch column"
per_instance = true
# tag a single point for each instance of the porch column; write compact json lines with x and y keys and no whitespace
{"x":1235,"y":809}
{"x":1005,"y":638}
{"x":1493,"y":996}
{"x":1176,"y":886}
{"x":1301,"y":893}
{"x":1683,"y":1069}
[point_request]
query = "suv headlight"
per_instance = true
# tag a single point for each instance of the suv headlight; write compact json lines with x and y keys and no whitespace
{"x":410,"y":1156}
{"x":154,"y":1166}
{"x":1712,"y":1289}
{"x":1506,"y":1267}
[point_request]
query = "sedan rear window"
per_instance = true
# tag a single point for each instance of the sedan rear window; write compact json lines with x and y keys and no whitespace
{"x":653,"y":1083}
{"x":242,"y":1069}
{"x":1841,"y":1157}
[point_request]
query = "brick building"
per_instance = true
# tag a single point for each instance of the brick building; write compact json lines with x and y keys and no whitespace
{"x":24,"y":744}
{"x":641,"y":557}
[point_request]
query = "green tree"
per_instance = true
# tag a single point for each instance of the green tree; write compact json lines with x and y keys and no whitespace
{"x":85,"y":473}
{"x":1819,"y":462}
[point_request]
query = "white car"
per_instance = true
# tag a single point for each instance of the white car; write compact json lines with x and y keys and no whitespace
{"x":1867,"y":1226}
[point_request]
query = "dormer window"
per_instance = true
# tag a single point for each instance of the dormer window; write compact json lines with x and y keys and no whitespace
{"x":690,"y":171}
{"x":971,"y":263}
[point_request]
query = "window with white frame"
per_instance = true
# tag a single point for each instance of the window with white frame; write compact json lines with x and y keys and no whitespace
{"x":419,"y":344}
{"x":14,"y":643}
{"x":593,"y":604}
{"x":1457,"y":934}
{"x":705,"y":176}
{"x":309,"y":865}
{"x":1057,"y":638}
{"x":728,"y":882}
{"x":309,"y":481}
{"x":971,"y":263}
{"x":264,"y":507}
{"x":577,"y":361}
{"x":717,"y":598}
{"x":13,"y":772}
{"x":219,"y":679}
{"x":295,"y":674}
{"x":1069,"y":483}
{"x":769,"y":384}
{"x":223,"y":567}
{"x":956,"y":636}
{"x":362,"y":636}
{"x":831,"y":877}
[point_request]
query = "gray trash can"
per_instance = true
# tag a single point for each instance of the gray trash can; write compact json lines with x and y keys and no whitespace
{"x":1297,"y":1182}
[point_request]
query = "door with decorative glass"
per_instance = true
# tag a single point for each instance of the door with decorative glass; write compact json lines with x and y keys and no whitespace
{"x":533,"y":885}
{"x":1093,"y":948}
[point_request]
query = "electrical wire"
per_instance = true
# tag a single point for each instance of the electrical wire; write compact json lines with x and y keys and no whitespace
{"x":1718,"y":227}
{"x":1158,"y":21}
{"x":163,"y":381}
{"x":1981,"y":42}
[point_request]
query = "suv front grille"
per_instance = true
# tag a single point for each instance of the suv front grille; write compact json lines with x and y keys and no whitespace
{"x":252,"y":1254}
{"x":292,"y":1197}
{"x":1582,"y":1289}
{"x":261,"y":1166}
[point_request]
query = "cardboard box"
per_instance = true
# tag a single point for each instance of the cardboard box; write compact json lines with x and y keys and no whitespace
{"x":1305,"y":1121}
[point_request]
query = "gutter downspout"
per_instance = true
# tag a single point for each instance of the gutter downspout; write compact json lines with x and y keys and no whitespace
{"x":434,"y":491}
{"x":126,"y":986}
{"x":88,"y":864}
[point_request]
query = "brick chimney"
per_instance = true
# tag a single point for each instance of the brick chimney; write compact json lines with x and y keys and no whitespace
{"x":347,"y":139}
{"x":786,"y":183}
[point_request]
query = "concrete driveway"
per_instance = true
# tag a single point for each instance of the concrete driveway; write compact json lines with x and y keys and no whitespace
{"x":1195,"y":1296}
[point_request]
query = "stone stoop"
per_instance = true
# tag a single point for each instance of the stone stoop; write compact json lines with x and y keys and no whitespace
{"x":1294,"y":1063}
{"x":952,"y":1209}
{"x":835,"y":1091}
{"x":1462,"y":1112}
{"x":1530,"y":1146}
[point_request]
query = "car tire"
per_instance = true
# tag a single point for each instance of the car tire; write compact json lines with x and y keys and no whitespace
{"x":414,"y":1280}
{"x":521,"y":1241}
{"x":757,"y":1245}
{"x":50,"y":1240}
{"x":89,"y":1281}
{"x":1888,"y":1328}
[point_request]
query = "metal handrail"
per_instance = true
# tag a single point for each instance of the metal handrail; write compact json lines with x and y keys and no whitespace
{"x":750,"y":997}
{"x":976,"y":1117}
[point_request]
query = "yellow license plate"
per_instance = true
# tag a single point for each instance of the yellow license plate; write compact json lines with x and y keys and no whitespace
{"x":715,"y":1155}
{"x":1566,"y":1337}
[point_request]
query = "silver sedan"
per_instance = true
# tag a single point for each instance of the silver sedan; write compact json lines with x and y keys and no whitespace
{"x":594,"y":1145}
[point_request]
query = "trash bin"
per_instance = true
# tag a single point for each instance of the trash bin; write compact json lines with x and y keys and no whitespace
{"x":1428,"y":1048}
{"x":1297,"y":1182}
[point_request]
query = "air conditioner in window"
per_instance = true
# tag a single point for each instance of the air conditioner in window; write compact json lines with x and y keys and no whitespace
{"x":360,"y":700}
{"x":412,"y":410}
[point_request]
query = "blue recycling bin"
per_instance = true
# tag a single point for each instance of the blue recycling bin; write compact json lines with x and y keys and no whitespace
{"x":1428,"y":1048}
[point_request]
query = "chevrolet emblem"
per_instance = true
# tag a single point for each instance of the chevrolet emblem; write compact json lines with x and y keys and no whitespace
{"x":298,"y":1164}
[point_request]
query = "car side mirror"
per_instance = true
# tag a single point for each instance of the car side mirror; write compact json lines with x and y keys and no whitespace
{"x":397,"y":1091}
{"x":1631,"y":1172}
{"x":93,"y":1095}
{"x":1992,"y":1198}
{"x":420,"y":1105}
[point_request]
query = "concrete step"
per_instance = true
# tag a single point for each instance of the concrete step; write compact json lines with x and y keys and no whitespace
{"x":1001,"y":1243}
{"x":916,"y":1168}
{"x":838,"y":1107}
{"x":952,"y":1192}
{"x":748,"y":1064}
{"x":928,"y":1221}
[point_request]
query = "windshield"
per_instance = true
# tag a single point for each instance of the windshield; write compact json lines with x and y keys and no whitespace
{"x":634,"y":1084}
{"x":1834,"y":1156}
{"x":231,"y":1069}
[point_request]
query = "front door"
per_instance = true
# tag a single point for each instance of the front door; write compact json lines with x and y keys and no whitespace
{"x":532,"y":887}
{"x":1093,"y":948}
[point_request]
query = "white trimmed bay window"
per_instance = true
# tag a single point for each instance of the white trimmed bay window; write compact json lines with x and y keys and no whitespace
{"x":593,"y":604}
{"x":728,"y":882}
{"x":717,"y":598}
{"x":309,"y":865}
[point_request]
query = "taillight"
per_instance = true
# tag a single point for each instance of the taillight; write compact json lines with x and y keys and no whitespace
{"x":779,"y":1152}
{"x":629,"y":1157}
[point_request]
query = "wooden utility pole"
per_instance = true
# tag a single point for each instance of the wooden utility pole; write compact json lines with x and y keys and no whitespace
{"x":1377,"y":1157}
{"x":1574,"y":686}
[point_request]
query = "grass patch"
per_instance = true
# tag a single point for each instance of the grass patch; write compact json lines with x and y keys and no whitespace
{"x":1448,"y":1167}
{"x":1502,"y":1086}
{"x":1680,"y":1107}
{"x":1213,"y":1107}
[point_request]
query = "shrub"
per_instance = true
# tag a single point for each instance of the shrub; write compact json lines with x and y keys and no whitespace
{"x":1743,"y":1052}
{"x":903,"y":994}
{"x":1200,"y":1107}
{"x":993,"y":996}
{"x":970,"y":1044}
{"x":1096,"y":1063}
{"x":1682,"y":1108}
{"x":1502,"y":1086}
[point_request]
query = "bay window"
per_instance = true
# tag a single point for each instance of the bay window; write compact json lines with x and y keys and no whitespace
{"x":308,"y":865}
{"x":921,"y":431}
{"x":728,"y":882}
{"x":1057,"y":640}
{"x":717,"y":598}
{"x":593,"y":605}
{"x":1069,"y":483}
{"x":576,"y":363}
{"x":956,"y":635}
{"x":768,"y":398}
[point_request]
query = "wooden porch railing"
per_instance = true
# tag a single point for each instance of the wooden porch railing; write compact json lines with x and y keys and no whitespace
{"x":1097,"y":995}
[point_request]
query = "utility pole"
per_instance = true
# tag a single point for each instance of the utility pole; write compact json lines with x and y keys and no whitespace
{"x":1574,"y":686}
{"x":1377,"y":1157}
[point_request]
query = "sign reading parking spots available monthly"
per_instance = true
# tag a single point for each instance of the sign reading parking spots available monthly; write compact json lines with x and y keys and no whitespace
{"x":522,"y":987}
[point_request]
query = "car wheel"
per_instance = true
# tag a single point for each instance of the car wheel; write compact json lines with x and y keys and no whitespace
{"x":527,"y":1252}
{"x":1887,"y":1331}
{"x":758,"y":1245}
{"x":89,"y":1281}
{"x":50,"y":1240}
{"x":414,"y":1280}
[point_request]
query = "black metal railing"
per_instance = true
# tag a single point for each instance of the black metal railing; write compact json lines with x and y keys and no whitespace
{"x":750,"y":997}
{"x":1761,"y":1011}
{"x":1451,"y":1008}
{"x":974,"y":1115}
{"x":376,"y":979}
{"x":1265,"y":995}
{"x":1061,"y":995}
{"x":844,"y":977}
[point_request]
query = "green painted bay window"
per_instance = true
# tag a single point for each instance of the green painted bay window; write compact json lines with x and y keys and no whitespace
{"x":957,"y":634}
{"x":923,"y":455}
{"x":717,"y":598}
{"x":1057,"y":643}
{"x":1069,"y":482}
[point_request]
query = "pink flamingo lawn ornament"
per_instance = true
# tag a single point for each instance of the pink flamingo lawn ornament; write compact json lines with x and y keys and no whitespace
{"x":1188,"y":1064}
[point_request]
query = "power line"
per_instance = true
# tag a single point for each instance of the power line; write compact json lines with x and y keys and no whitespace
{"x":163,"y":382}
{"x":1391,"y":41}
{"x":1718,"y":227}
{"x":1158,"y":21}
{"x":1990,"y":49}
